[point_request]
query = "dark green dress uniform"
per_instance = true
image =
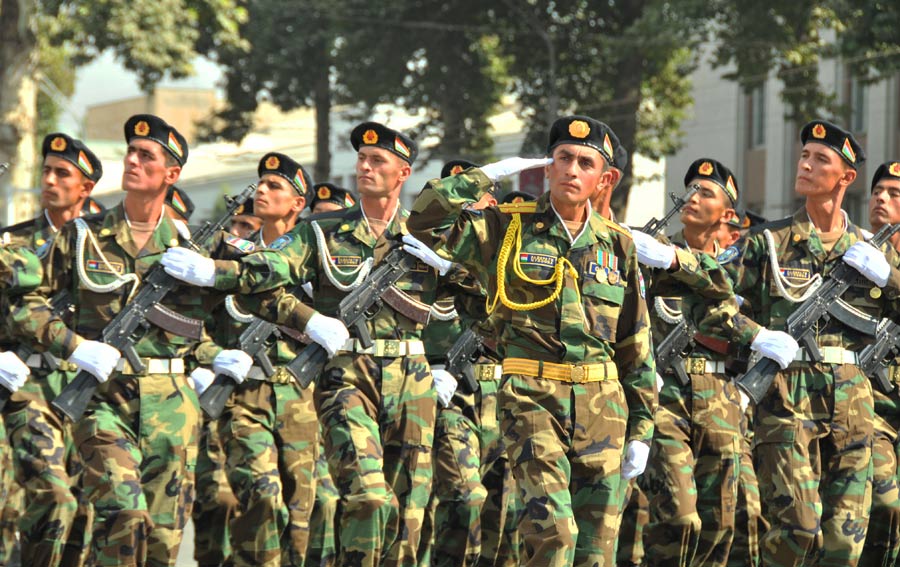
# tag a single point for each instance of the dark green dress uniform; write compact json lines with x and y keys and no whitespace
{"x":138,"y":438}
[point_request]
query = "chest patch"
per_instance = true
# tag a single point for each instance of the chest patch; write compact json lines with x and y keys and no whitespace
{"x":342,"y":261}
{"x":240,"y":243}
{"x":98,"y":266}
{"x":727,"y":255}
{"x":537,"y":259}
{"x":796,"y":273}
{"x":281,"y":242}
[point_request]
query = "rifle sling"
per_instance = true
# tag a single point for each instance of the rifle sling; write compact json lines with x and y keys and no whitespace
{"x":405,"y":305}
{"x":175,"y":323}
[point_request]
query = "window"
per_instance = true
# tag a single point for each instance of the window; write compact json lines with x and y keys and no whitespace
{"x":757,"y":103}
{"x":857,"y":103}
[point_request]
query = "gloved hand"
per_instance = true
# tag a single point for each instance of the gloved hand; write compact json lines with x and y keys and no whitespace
{"x":201,"y":378}
{"x":506,"y":167}
{"x":659,"y":383}
{"x":233,"y":363}
{"x":869,"y":261}
{"x":745,"y":401}
{"x":636,"y":453}
{"x":95,"y":357}
{"x":777,"y":345}
{"x":13,"y":372}
{"x":418,"y":249}
{"x":651,"y":252}
{"x":189,"y":266}
{"x":444,"y":383}
{"x":328,"y":332}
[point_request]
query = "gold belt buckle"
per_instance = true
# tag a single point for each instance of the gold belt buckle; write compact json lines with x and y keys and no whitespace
{"x":485,"y":371}
{"x":391,"y":348}
{"x":281,"y":376}
{"x":579,"y":374}
{"x":697,"y":366}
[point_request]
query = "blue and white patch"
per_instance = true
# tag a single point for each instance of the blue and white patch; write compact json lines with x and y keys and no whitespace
{"x":728,"y":255}
{"x":240,"y":243}
{"x":43,"y":249}
{"x":281,"y":242}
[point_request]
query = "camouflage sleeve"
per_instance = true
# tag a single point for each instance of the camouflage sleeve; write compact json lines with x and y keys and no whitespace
{"x":633,"y":352}
{"x":20,"y":270}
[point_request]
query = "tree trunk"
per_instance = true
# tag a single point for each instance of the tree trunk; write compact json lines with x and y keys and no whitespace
{"x":322,"y":98}
{"x":18,"y":102}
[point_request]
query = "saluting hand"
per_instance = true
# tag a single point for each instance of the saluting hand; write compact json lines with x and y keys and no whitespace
{"x":506,"y":167}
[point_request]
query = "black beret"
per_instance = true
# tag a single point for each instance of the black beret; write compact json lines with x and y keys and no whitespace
{"x":380,"y":136}
{"x":180,"y":202}
{"x":245,"y":209}
{"x":836,"y":138}
{"x":517,"y":197}
{"x":620,"y":156}
{"x":331,"y":193}
{"x":75,"y":152}
{"x":91,"y":206}
{"x":156,"y":129}
{"x":290,"y":170}
{"x":584,"y":131}
{"x":707,"y":168}
{"x":455,"y":166}
{"x":890,"y":169}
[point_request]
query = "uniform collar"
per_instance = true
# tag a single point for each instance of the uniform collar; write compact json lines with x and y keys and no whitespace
{"x":116,"y":226}
{"x":546,"y":219}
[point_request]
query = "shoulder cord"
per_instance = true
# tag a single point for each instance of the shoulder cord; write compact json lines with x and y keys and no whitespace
{"x":236,"y":314}
{"x":328,"y":265}
{"x":780,"y":281}
{"x":666,"y":313}
{"x":438,"y":313}
{"x":512,"y":241}
{"x":83,"y":233}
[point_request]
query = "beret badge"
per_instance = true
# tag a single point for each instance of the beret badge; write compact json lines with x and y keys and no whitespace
{"x":818,"y":131}
{"x":705,"y":168}
{"x":456,"y":169}
{"x":579,"y":129}
{"x":58,"y":144}
{"x":324,"y":192}
{"x":370,"y":137}
{"x":273,"y":162}
{"x":894,"y":169}
{"x":142,"y":128}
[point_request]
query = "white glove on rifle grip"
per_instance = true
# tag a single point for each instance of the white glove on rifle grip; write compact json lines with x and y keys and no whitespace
{"x":95,"y":357}
{"x":776,"y":345}
{"x":233,"y":363}
{"x":636,"y":454}
{"x":189,"y":266}
{"x":444,"y":383}
{"x":869,"y":261}
{"x":328,"y":332}
{"x":13,"y":372}
{"x":201,"y":378}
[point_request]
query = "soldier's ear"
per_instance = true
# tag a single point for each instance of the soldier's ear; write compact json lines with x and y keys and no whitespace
{"x":849,"y":176}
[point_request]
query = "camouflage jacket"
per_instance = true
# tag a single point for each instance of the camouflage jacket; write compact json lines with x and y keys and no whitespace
{"x":111,"y":250}
{"x":599,"y":317}
{"x":801,"y":257}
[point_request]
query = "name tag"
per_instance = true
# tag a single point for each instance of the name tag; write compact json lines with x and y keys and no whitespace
{"x":97,"y":266}
{"x":346,"y":260}
{"x":796,"y":273}
{"x":537,"y":259}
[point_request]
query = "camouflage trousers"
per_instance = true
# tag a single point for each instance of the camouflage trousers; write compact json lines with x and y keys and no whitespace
{"x":883,"y":536}
{"x":321,"y":550}
{"x":813,"y":451}
{"x":138,"y":441}
{"x":692,"y":473}
{"x":635,"y":516}
{"x":12,"y":500}
{"x":270,"y":435}
{"x":570,"y":484}
{"x":56,"y":517}
{"x":378,"y":423}
{"x":215,"y":504}
{"x":472,"y":483}
{"x":749,"y":521}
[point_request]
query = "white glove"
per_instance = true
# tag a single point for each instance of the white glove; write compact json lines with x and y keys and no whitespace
{"x":201,"y":378}
{"x":418,"y":249}
{"x":95,"y":357}
{"x":506,"y":167}
{"x":636,"y":454}
{"x":189,"y":266}
{"x":233,"y":363}
{"x":444,"y":383}
{"x":869,"y":261}
{"x":659,"y":383}
{"x":13,"y":372}
{"x":652,"y":252}
{"x":328,"y":332}
{"x":745,"y":401}
{"x":777,"y":345}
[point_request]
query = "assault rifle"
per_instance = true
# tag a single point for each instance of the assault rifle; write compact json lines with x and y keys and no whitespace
{"x":354,"y":311}
{"x":142,"y":311}
{"x":873,"y":359}
{"x":654,"y":227}
{"x":802,"y":323}
{"x":668,"y":351}
{"x":460,"y":358}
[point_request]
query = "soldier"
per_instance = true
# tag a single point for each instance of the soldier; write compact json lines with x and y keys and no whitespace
{"x":813,"y":430}
{"x":328,"y":197}
{"x":245,"y":222}
{"x":377,"y":404}
{"x":601,"y":199}
{"x":138,"y":438}
{"x":575,"y":337}
{"x":883,"y":537}
{"x":55,"y":519}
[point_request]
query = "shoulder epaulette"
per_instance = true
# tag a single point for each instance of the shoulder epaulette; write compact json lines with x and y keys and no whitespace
{"x":616,"y":227}
{"x":20,"y":226}
{"x":527,"y":207}
{"x":781,"y":223}
{"x":326,"y":216}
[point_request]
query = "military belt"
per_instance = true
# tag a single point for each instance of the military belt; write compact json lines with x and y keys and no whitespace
{"x":153,"y":366}
{"x":281,"y":376}
{"x":573,"y":373}
{"x":830,"y":355}
{"x":700,"y":365}
{"x":487,"y":372}
{"x":388,"y":348}
{"x":894,"y":373}
{"x":38,"y":361}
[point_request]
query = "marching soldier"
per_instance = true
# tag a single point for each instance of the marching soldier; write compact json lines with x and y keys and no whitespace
{"x":245,"y":222}
{"x":55,"y":520}
{"x":328,"y":197}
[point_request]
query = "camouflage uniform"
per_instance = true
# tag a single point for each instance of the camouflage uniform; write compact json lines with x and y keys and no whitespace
{"x":377,"y":410}
{"x":54,"y":515}
{"x":321,"y":550}
{"x":692,"y":474}
{"x":748,"y":519}
{"x":570,"y":485}
{"x":814,"y":429}
{"x":138,"y":438}
{"x":635,"y":516}
{"x":215,"y":505}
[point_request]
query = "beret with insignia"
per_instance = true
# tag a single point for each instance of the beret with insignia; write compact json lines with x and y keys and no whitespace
{"x":890,"y":170}
{"x":836,"y":138}
{"x":707,"y":168}
{"x":75,"y":152}
{"x":517,"y":197}
{"x":246,"y":208}
{"x":455,"y":166}
{"x":584,"y":131}
{"x":620,"y":157}
{"x":156,"y":129}
{"x":180,"y":202}
{"x":331,"y":193}
{"x":380,"y":136}
{"x":290,"y":170}
{"x":92,"y":207}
